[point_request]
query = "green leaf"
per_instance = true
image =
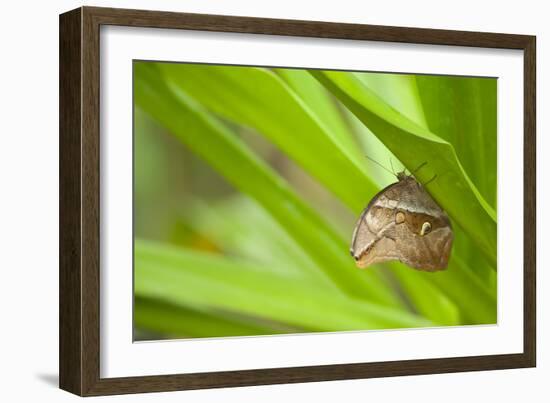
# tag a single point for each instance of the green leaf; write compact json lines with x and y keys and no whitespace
{"x":325,"y":108}
{"x":476,"y":300}
{"x":212,"y":141}
{"x":428,"y":299}
{"x":463,"y":111}
{"x":400,"y":91}
{"x":414,"y":145}
{"x":173,"y":321}
{"x":215,"y":283}
{"x":239,"y":226}
{"x":258,"y":98}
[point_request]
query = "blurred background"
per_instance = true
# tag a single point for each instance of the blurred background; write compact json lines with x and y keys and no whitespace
{"x":248,"y":183}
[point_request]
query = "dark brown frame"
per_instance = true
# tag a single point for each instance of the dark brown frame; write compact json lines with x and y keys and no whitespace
{"x":79,"y":200}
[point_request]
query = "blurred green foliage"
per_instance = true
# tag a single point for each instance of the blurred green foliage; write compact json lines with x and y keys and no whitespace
{"x":248,"y":183}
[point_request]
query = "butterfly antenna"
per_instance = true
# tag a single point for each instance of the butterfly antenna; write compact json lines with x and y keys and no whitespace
{"x":380,"y":165}
{"x":392,"y":170}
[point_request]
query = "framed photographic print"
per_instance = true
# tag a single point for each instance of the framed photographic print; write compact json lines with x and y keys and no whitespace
{"x":249,"y":201}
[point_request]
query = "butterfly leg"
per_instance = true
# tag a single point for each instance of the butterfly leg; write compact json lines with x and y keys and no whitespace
{"x":418,"y":168}
{"x":431,"y":180}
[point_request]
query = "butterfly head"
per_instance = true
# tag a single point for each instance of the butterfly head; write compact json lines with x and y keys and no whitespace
{"x":401,"y":176}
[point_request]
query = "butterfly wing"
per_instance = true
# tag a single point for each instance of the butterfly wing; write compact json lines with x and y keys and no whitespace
{"x":429,"y":252}
{"x":369,"y":243}
{"x":391,"y":228}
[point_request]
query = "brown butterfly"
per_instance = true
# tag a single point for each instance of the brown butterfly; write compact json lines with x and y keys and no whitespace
{"x":402,"y":222}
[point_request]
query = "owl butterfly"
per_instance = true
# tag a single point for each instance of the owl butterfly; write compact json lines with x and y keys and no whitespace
{"x":402,"y":222}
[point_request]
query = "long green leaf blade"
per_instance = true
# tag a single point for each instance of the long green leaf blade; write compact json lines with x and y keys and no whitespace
{"x":456,"y":106}
{"x":258,"y":98}
{"x":217,"y":145}
{"x":414,"y":145}
{"x":173,"y":321}
{"x":162,"y":272}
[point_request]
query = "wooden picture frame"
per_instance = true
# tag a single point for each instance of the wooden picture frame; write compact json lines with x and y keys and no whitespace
{"x":79,"y":347}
